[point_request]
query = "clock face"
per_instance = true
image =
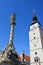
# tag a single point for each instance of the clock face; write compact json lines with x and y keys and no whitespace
{"x":34,"y":26}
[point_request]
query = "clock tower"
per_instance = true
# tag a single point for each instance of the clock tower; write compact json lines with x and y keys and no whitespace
{"x":36,"y":42}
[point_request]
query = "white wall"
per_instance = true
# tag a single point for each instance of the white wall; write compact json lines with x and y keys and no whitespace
{"x":36,"y":44}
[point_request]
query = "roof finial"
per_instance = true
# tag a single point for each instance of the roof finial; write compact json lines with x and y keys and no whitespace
{"x":34,"y":15}
{"x":34,"y":11}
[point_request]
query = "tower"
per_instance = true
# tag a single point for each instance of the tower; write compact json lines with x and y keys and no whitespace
{"x":10,"y":46}
{"x":36,"y":42}
{"x":10,"y":55}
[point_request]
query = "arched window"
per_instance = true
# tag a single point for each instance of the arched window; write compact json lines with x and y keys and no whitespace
{"x":37,"y":59}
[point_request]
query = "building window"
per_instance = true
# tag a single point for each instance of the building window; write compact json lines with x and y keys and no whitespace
{"x":37,"y":59}
{"x":35,"y":45}
{"x":33,"y":33}
{"x":36,"y":53}
{"x":34,"y":37}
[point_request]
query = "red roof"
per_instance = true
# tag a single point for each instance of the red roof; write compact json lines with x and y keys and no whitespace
{"x":25,"y":57}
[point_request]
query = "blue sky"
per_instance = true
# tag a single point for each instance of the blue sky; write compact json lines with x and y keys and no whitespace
{"x":24,"y":14}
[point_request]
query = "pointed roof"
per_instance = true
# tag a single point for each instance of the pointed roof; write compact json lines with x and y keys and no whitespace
{"x":35,"y":20}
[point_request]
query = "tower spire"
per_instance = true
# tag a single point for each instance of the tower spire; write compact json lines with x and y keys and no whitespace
{"x":34,"y":19}
{"x":34,"y":15}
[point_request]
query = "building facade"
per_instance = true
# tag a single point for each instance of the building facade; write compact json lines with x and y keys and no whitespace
{"x":36,"y":42}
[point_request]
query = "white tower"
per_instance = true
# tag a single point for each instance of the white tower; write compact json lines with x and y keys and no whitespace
{"x":36,"y":42}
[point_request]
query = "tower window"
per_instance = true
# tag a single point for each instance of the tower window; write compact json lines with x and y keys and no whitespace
{"x":35,"y":45}
{"x":34,"y":33}
{"x":36,"y":53}
{"x":36,"y":60}
{"x":34,"y":37}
